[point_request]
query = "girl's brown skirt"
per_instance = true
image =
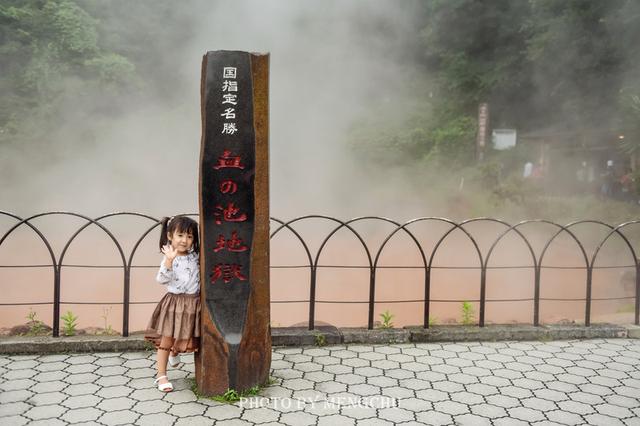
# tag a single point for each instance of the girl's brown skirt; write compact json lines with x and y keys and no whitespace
{"x":177,"y":316}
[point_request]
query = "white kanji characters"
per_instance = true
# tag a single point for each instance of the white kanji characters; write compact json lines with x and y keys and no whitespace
{"x":229,"y":72}
{"x":229,"y":86}
{"x":229,"y":113}
{"x":230,"y":99}
{"x":229,"y":128}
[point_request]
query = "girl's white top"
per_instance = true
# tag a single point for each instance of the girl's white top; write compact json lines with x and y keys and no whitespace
{"x":184,"y":275}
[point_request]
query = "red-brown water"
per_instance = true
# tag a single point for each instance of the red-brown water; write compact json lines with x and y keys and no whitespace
{"x":104,"y":286}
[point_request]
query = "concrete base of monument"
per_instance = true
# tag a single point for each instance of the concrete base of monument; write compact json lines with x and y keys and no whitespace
{"x":329,"y":335}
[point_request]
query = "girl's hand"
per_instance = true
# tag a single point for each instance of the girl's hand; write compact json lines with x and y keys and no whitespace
{"x":169,"y":252}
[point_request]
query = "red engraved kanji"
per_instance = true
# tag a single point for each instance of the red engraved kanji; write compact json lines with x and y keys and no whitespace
{"x":227,"y":272}
{"x":228,"y":161}
{"x":229,"y":214}
{"x":228,"y":187}
{"x":234,"y":244}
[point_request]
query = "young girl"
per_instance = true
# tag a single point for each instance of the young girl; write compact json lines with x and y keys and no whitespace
{"x":174,"y":327}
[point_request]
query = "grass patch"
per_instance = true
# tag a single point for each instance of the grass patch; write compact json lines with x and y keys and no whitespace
{"x":230,"y":396}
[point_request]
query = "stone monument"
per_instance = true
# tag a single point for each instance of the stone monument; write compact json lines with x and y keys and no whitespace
{"x":235,"y":342}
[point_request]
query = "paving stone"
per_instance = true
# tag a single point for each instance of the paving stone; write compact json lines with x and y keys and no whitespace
{"x":451,"y":407}
{"x":81,"y":415}
{"x":113,"y":404}
{"x":401,"y":358}
{"x":336,"y":420}
{"x":602,"y":420}
{"x":550,"y":395}
{"x":114,"y":391}
{"x":137,"y":373}
{"x":587,"y":398}
{"x":19,"y":365}
{"x":358,"y":412}
{"x":356,"y":362}
{"x":288,"y":373}
{"x":431,"y":376}
{"x":308,"y":366}
{"x":431,"y":395}
{"x":429,"y":360}
{"x":526,"y":414}
{"x":18,"y":384}
{"x":19,"y":374}
{"x":504,"y":401}
{"x":482,"y":389}
{"x":459,"y":362}
{"x":81,"y":359}
{"x":389,"y":350}
{"x":371,"y":356}
{"x":398,"y":373}
{"x":81,"y":389}
{"x":462,"y":378}
{"x":15,"y":420}
{"x":364,"y":389}
{"x":222,"y":412}
{"x":45,"y":412}
{"x":342,"y":353}
{"x":516,"y":392}
{"x":367,"y":371}
{"x":606,"y":381}
{"x":564,"y":417}
{"x":445,"y":369}
{"x":123,"y":417}
{"x":396,"y":414}
{"x":180,"y":396}
{"x":467,"y":398}
{"x":382,"y":381}
{"x":74,"y":379}
{"x":622,"y":401}
{"x":471,"y":420}
{"x":613,"y":411}
{"x":434,"y":418}
{"x":415,"y":384}
{"x":81,"y":401}
{"x":156,"y":419}
{"x":575,"y":407}
{"x":47,"y":422}
{"x":495,"y":381}
{"x":331,"y":387}
{"x":15,"y":396}
{"x":319,"y":376}
{"x":562,"y":387}
{"x":80,"y":368}
{"x":110,"y":361}
{"x":488,"y":410}
{"x":298,"y":418}
{"x":337,"y":369}
{"x":415,"y":404}
{"x":298,"y":384}
{"x":113,"y":381}
{"x":350,"y":379}
{"x":374,"y":422}
{"x":13,"y":409}
{"x":260,"y":415}
{"x":398,"y":392}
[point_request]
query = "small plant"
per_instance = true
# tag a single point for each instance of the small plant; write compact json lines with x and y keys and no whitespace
{"x":231,"y":395}
{"x":433,"y":321}
{"x":386,"y":319}
{"x":321,"y":340}
{"x":467,"y":313}
{"x":107,"y":330}
{"x":36,"y":327}
{"x":70,"y":324}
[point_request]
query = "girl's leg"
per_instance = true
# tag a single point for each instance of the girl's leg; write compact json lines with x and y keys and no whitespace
{"x":163,"y":356}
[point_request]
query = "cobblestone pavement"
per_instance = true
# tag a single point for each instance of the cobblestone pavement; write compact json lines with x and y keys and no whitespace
{"x":562,"y":382}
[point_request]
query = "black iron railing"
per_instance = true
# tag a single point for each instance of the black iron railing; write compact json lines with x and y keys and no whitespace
{"x":373,"y":259}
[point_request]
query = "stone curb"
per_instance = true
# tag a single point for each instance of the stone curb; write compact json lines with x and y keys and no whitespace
{"x":327,"y":335}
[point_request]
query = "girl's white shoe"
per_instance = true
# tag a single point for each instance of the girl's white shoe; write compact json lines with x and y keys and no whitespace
{"x":174,"y":360}
{"x":163,"y":387}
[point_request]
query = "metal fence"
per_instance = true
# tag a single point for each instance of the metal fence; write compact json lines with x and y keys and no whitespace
{"x":373,"y":259}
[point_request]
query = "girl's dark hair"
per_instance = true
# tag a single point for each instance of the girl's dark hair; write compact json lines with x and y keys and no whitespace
{"x":181,"y":224}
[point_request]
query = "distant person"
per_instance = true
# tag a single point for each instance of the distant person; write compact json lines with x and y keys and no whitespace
{"x":626,"y":186}
{"x":174,"y":327}
{"x":606,"y":190}
{"x":528,"y":168}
